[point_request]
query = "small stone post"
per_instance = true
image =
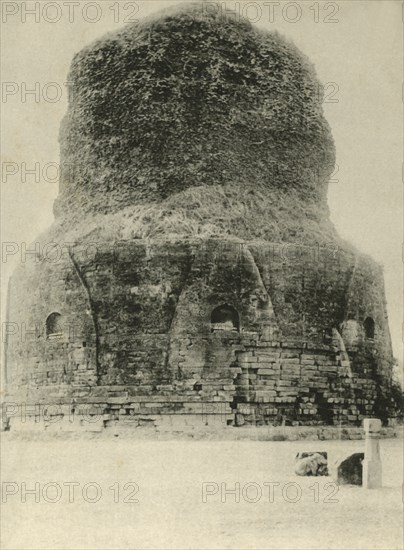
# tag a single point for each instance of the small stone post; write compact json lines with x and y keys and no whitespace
{"x":372,"y":465}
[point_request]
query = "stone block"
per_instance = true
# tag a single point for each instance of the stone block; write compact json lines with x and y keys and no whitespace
{"x":311,"y":464}
{"x":295,"y":362}
{"x":372,"y":425}
{"x":349,"y":470}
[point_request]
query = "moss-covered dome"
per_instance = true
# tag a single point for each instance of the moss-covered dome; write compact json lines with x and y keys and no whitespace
{"x":190,"y":98}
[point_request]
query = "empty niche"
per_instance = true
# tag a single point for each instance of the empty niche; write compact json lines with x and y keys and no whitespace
{"x":54,"y":328}
{"x":369,"y":326}
{"x":224,"y":317}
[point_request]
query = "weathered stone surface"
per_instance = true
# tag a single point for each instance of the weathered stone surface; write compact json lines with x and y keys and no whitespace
{"x":349,"y":471}
{"x":311,"y":464}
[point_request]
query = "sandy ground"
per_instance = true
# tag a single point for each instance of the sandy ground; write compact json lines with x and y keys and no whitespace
{"x":173,"y":508}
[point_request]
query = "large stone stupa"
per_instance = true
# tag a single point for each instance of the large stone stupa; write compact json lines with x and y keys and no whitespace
{"x":196,"y":277}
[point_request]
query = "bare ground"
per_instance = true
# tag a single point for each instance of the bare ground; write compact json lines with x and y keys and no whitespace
{"x":170,"y":512}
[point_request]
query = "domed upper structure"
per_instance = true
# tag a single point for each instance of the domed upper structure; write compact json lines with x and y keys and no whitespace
{"x":186,"y":99}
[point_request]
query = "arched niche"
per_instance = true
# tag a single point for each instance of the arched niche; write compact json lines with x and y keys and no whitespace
{"x":225,"y":317}
{"x":369,"y":327}
{"x":54,"y":329}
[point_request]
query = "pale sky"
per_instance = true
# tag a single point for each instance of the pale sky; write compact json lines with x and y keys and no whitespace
{"x":358,"y":52}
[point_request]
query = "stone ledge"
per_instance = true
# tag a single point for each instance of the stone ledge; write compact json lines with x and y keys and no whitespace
{"x":187,"y":425}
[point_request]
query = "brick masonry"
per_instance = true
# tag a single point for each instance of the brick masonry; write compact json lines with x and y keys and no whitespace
{"x":138,"y":341}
